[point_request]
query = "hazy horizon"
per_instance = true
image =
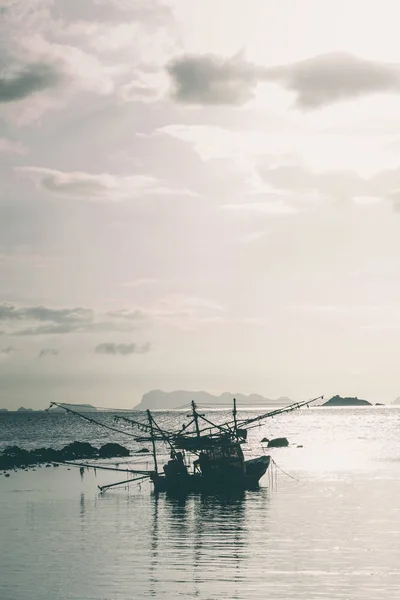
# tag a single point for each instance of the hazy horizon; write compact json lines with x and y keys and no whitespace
{"x":199,"y":195}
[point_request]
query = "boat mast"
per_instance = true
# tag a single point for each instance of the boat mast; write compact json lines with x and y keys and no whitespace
{"x":152,"y":440}
{"x":234,"y":416}
{"x":196,"y":418}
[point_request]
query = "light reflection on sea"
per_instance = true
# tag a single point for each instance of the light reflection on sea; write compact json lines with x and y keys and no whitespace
{"x":331,"y":533}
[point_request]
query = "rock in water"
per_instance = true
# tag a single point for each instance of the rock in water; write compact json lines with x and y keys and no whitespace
{"x":113,"y":450}
{"x":78,"y":450}
{"x":278,"y":443}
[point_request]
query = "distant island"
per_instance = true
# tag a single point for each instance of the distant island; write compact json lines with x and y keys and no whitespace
{"x":348,"y":401}
{"x":77,"y":407}
{"x":157,"y":399}
{"x":21,"y":409}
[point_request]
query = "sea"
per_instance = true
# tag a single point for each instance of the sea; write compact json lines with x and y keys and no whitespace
{"x":325,"y":523}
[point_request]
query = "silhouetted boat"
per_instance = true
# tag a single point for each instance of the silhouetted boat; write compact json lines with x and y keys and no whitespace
{"x":205,"y":456}
{"x":219,"y":466}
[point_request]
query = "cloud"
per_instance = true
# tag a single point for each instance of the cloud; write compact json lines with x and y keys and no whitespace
{"x":326,"y":150}
{"x":329,"y":78}
{"x":11,"y":147}
{"x":341,"y":185}
{"x":317,"y":81}
{"x":174,"y":310}
{"x":54,"y":329}
{"x":28,"y":80}
{"x":96,"y":187}
{"x":42,"y":320}
{"x":122,"y":349}
{"x":48,"y":352}
{"x":130,"y":315}
{"x":143,"y":9}
{"x":295,"y":177}
{"x":60,"y":50}
{"x":39,"y":320}
{"x":42,"y":313}
{"x":210,"y":79}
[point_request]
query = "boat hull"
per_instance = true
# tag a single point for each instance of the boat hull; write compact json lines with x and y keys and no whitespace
{"x":198,"y":483}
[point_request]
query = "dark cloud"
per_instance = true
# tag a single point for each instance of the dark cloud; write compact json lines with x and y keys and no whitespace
{"x":54,"y":329}
{"x":42,"y":320}
{"x":75,"y":184}
{"x":210,"y":79}
{"x":48,"y":352}
{"x":10,"y":312}
{"x":122,"y":349}
{"x":329,"y":78}
{"x":318,"y":81}
{"x":73,"y":187}
{"x":28,"y":80}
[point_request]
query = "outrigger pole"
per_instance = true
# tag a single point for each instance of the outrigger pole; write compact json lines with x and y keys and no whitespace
{"x":278,"y":411}
{"x":91,"y":420}
{"x":110,"y":485}
{"x":145,"y":473}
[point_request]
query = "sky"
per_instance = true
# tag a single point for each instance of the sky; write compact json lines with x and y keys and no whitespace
{"x":200,"y":195}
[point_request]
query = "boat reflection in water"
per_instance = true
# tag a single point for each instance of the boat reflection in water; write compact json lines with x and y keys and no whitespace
{"x":201,"y":542}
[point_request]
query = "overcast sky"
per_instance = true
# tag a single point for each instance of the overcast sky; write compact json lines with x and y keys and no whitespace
{"x":199,"y":194}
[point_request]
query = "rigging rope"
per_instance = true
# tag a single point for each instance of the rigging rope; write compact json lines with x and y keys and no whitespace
{"x":284,"y":472}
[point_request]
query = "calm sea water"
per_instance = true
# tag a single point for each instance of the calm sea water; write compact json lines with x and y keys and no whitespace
{"x":332,"y":532}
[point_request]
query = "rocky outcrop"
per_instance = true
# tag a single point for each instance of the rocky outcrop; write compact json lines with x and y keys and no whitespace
{"x":347,"y":401}
{"x":14,"y":457}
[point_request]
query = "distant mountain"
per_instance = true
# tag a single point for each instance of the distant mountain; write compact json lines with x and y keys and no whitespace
{"x":3,"y":409}
{"x":77,"y":407}
{"x":157,"y":399}
{"x":23,"y":409}
{"x":348,"y":401}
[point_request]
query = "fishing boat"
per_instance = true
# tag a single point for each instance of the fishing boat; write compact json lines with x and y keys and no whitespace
{"x":219,"y":464}
{"x":204,"y":456}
